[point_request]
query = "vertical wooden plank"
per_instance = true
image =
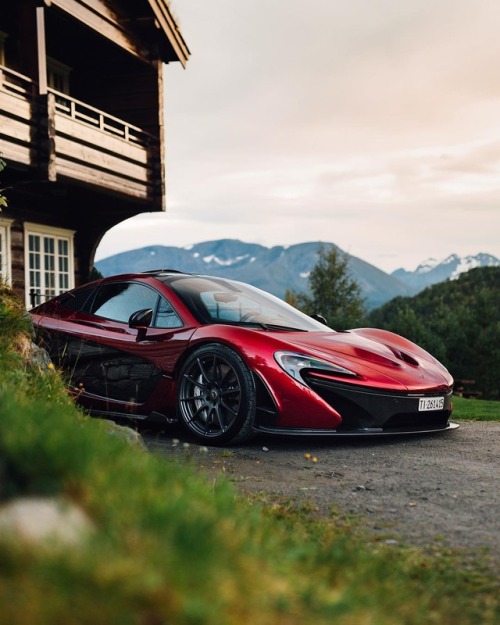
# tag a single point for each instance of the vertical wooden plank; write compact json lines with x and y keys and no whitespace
{"x":51,"y":137}
{"x":41,"y":50}
{"x":159,"y":185}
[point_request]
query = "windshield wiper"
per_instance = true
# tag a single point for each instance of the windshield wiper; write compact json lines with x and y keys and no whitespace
{"x":260,"y":324}
{"x":230,"y":322}
{"x":275,"y":326}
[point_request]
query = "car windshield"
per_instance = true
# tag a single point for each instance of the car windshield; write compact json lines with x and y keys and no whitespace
{"x":214,"y":300}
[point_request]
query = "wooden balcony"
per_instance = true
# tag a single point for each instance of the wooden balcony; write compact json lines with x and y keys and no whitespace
{"x":67,"y":140}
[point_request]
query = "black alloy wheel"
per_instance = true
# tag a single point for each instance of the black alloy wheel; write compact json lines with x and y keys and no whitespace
{"x":216,"y":397}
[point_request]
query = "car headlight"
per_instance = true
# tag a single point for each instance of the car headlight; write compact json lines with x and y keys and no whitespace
{"x":294,"y":363}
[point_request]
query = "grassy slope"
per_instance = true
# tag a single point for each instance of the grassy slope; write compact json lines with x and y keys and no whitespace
{"x":169,"y":547}
{"x":476,"y":409}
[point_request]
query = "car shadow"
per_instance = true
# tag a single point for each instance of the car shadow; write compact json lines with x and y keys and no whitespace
{"x":164,"y":433}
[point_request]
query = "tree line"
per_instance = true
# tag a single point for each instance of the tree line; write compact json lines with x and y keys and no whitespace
{"x":457,"y":321}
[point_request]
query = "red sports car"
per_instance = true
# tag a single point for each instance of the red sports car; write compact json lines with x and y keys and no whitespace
{"x":228,"y":360}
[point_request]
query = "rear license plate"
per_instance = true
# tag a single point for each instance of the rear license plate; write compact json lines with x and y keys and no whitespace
{"x":430,"y":403}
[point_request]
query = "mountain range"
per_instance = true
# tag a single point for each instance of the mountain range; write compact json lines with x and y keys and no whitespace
{"x":433,"y":271}
{"x":279,"y":268}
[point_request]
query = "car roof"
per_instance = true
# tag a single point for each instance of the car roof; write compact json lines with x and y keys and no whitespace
{"x":165,"y":276}
{"x":153,"y":273}
{"x":156,"y":272}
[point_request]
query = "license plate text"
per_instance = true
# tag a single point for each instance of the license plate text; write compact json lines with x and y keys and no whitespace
{"x":430,"y":403}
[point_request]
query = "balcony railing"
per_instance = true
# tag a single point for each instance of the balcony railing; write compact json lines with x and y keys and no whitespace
{"x":15,"y":83}
{"x":79,"y":111}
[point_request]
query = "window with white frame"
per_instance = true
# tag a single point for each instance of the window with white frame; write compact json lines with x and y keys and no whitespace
{"x":5,"y":249}
{"x":48,"y":262}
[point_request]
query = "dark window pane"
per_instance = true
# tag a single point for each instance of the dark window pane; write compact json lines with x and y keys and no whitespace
{"x":77,"y":300}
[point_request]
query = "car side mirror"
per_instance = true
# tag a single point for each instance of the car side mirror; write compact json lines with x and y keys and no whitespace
{"x":141,"y":319}
{"x":319,"y":318}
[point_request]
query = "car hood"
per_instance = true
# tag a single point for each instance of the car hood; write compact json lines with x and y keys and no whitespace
{"x":378,"y":356}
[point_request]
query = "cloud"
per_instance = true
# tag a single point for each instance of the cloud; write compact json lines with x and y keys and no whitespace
{"x":332,"y":69}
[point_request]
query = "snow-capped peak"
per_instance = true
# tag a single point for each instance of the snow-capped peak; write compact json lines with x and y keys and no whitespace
{"x":223,"y":263}
{"x":427,"y":265}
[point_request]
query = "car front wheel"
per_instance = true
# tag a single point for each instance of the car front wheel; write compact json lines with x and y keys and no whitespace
{"x":216,"y":395}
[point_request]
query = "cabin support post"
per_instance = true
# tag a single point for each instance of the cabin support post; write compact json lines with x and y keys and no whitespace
{"x":41,"y":53}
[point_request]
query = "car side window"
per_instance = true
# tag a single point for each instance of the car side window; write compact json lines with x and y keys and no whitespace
{"x":119,"y":300}
{"x":166,"y":317}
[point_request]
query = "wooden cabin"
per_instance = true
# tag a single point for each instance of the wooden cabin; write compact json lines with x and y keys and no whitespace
{"x":81,"y":130}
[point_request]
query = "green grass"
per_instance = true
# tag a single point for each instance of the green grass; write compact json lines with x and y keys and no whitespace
{"x":476,"y":409}
{"x":169,"y":547}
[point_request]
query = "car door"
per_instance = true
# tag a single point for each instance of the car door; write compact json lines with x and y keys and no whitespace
{"x":116,"y":368}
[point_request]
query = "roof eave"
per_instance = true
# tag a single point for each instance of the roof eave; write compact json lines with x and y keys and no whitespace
{"x":169,"y":26}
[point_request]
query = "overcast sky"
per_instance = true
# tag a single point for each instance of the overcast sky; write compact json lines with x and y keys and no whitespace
{"x":372,"y":124}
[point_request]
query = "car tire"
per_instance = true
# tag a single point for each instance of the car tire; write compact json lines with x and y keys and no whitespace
{"x":216,"y":395}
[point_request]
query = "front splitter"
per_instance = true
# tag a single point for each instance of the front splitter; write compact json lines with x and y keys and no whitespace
{"x":359,"y":432}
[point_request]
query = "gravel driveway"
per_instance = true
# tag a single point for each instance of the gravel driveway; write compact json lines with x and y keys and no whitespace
{"x":441,"y":488}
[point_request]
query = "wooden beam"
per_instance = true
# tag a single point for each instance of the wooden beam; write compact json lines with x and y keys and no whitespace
{"x":98,"y":16}
{"x":51,"y":138}
{"x":170,"y":29}
{"x":159,"y":165}
{"x":41,"y":51}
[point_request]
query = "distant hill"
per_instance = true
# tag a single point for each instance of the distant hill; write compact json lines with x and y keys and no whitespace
{"x":275,"y":269}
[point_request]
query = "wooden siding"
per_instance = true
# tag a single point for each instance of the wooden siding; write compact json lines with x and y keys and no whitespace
{"x":17,"y":258}
{"x":17,"y":117}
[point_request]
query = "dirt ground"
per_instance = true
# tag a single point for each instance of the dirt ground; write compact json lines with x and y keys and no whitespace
{"x":424,"y":490}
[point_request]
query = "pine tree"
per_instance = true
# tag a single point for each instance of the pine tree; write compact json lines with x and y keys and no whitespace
{"x":334,"y":294}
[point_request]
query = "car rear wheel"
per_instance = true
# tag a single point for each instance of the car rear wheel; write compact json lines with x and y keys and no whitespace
{"x":216,"y":395}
